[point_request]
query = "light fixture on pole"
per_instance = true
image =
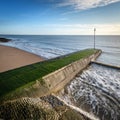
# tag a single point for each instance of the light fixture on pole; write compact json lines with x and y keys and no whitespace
{"x":94,"y":37}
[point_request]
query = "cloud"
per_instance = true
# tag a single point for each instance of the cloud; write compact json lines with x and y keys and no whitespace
{"x":85,"y":29}
{"x":62,"y":29}
{"x":85,"y":4}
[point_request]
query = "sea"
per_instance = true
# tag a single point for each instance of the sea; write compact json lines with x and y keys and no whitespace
{"x":51,"y":46}
{"x":96,"y":91}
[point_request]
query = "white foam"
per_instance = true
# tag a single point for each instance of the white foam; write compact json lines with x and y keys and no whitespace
{"x":97,"y":88}
{"x":40,"y":49}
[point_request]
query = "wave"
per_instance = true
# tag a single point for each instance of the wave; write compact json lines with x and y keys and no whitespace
{"x":95,"y":91}
{"x":45,"y":50}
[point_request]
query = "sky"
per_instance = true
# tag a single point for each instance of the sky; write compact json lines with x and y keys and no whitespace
{"x":60,"y":17}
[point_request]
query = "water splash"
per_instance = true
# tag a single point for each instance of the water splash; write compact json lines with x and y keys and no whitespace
{"x":96,"y":91}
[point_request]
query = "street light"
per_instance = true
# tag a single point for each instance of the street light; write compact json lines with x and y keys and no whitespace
{"x":94,"y":37}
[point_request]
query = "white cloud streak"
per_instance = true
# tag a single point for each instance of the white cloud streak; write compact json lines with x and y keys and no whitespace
{"x":86,"y":4}
{"x":63,"y":29}
{"x":86,"y":29}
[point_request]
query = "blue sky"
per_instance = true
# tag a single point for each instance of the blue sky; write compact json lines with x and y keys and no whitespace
{"x":77,"y":17}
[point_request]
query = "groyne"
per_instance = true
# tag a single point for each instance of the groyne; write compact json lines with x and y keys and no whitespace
{"x":107,"y":65}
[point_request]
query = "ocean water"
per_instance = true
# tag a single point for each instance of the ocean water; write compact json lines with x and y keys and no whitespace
{"x":50,"y":46}
{"x":95,"y":91}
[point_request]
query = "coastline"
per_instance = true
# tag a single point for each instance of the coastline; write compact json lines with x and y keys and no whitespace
{"x":11,"y":58}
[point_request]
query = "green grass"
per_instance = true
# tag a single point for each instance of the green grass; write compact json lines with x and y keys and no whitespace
{"x":14,"y":79}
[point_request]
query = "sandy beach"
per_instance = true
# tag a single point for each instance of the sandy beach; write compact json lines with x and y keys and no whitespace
{"x":11,"y":58}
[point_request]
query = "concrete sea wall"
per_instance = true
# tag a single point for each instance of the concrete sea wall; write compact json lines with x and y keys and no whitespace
{"x":28,"y":103}
{"x":58,"y":79}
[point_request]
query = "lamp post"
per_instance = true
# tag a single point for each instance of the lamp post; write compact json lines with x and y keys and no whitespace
{"x":94,"y":37}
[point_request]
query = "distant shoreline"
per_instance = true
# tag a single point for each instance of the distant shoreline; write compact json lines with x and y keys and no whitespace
{"x":11,"y":58}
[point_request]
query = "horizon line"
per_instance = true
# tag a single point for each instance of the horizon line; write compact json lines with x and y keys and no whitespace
{"x":66,"y":34}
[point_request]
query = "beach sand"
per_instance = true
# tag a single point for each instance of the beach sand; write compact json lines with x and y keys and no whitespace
{"x":11,"y":58}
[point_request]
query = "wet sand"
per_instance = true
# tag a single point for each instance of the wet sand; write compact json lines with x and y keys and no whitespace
{"x":11,"y":58}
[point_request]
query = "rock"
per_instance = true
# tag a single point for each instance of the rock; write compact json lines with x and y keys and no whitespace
{"x":4,"y":40}
{"x":43,"y":108}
